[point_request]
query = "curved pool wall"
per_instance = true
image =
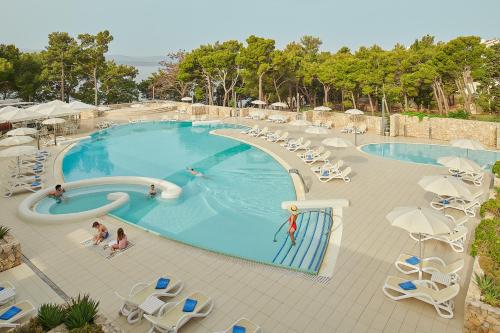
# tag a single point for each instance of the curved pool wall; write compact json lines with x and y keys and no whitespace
{"x":234,"y":209}
{"x":428,"y":153}
{"x":90,"y":198}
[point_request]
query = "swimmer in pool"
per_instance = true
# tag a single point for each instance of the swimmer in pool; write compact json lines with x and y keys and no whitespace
{"x":152,"y":191}
{"x":194,"y":172}
{"x":57,"y":194}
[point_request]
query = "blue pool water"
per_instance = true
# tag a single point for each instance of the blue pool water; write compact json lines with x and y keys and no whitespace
{"x":234,"y":209}
{"x":428,"y":154}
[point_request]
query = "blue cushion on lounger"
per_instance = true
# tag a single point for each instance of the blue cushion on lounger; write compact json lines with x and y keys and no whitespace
{"x":2,"y":288}
{"x":325,"y":173}
{"x":238,"y":329}
{"x":413,"y":260}
{"x":408,"y":285}
{"x":162,"y":283}
{"x":445,"y":202}
{"x":36,"y":184}
{"x":11,"y":312}
{"x":189,"y":305}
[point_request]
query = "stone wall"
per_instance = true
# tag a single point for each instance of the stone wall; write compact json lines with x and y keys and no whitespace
{"x":445,"y":129}
{"x":11,"y":253}
{"x":479,"y":316}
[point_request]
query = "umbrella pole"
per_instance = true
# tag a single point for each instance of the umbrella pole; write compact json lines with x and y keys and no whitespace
{"x":421,"y":256}
{"x":55,"y":140}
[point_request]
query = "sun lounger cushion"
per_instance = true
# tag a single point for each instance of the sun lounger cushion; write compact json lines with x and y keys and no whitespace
{"x":445,"y":202}
{"x":408,"y":285}
{"x":2,"y":288}
{"x":162,"y":283}
{"x":238,"y":329}
{"x":189,"y":305}
{"x":325,"y":173}
{"x":413,"y":260}
{"x":11,"y":312}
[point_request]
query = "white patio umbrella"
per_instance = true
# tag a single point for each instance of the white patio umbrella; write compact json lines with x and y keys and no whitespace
{"x":316,"y":130}
{"x":9,"y":109}
{"x":57,"y":110}
{"x":420,"y":221}
{"x":448,"y":186}
{"x":467,"y":144}
{"x":337,"y":142}
{"x":187,"y":99}
{"x":459,"y":163}
{"x":103,"y":108}
{"x":322,"y":108}
{"x":18,"y":151}
{"x":355,"y":113}
{"x":258,"y":102}
{"x":54,"y":122}
{"x":300,"y":123}
{"x":279,"y":104}
{"x":278,"y":117}
{"x":22,"y":131}
{"x":15,"y":115}
{"x":15,"y":140}
{"x":77,"y":105}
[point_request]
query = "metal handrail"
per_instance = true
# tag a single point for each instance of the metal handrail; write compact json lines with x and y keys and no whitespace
{"x":279,"y":229}
{"x":297,"y":172}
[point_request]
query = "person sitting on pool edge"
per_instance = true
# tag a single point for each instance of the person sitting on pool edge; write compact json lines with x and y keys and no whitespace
{"x":121,"y":241}
{"x":292,"y":221}
{"x":194,"y":172}
{"x":102,"y":232}
{"x":58,"y":192}
{"x":152,"y":191}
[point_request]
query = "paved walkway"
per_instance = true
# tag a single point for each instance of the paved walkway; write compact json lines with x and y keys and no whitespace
{"x":279,"y":300}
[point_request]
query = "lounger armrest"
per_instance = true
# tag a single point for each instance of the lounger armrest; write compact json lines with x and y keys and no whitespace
{"x":166,"y":307}
{"x":120,"y":296}
{"x":135,"y":289}
{"x":439,"y":260}
{"x":427,"y":283}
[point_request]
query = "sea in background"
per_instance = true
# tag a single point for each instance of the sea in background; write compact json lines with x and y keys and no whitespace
{"x":145,"y":65}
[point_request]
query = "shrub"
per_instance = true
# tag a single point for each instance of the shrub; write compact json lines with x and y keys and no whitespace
{"x":491,"y":206}
{"x":51,"y":315}
{"x":80,"y":312}
{"x":4,"y":231}
{"x":88,"y":329}
{"x":496,"y":168}
{"x":30,"y":327}
{"x":420,"y":115}
{"x":490,"y":290}
{"x":459,"y":114}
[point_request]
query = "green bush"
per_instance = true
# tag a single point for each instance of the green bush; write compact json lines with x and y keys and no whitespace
{"x":51,"y":315}
{"x":4,"y":231}
{"x":420,"y":115}
{"x":496,"y":168}
{"x":30,"y":327}
{"x":88,"y":329}
{"x":459,"y":114}
{"x":81,"y":311}
{"x":490,"y":290}
{"x":491,"y":206}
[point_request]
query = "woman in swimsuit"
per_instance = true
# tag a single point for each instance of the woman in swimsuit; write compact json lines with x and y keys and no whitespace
{"x":292,"y":221}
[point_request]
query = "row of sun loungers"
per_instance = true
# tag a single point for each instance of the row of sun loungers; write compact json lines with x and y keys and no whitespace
{"x":352,"y":128}
{"x":11,"y":315}
{"x":25,"y":174}
{"x":105,"y":124}
{"x":146,"y":300}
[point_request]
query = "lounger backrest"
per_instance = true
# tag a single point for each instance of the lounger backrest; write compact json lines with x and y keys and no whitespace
{"x":446,"y":294}
{"x":307,"y":143}
{"x":325,"y":155}
{"x":340,"y":164}
{"x":277,"y":133}
{"x":284,"y":136}
{"x":346,"y":171}
{"x":320,"y":149}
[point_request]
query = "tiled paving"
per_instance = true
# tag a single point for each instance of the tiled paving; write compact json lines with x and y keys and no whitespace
{"x":280,"y":301}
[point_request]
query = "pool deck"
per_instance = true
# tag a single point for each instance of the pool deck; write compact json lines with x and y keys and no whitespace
{"x":278,"y":300}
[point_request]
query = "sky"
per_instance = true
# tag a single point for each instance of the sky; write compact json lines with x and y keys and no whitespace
{"x":156,"y":27}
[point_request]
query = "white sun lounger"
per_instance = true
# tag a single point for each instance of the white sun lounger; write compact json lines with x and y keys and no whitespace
{"x":348,"y":129}
{"x":292,"y":143}
{"x":426,"y":291}
{"x":283,"y":137}
{"x":171,"y":316}
{"x":27,"y":309}
{"x":8,"y":293}
{"x":14,"y":186}
{"x":328,"y":124}
{"x":263,"y":132}
{"x":335,"y":167}
{"x":475,"y":178}
{"x":318,"y":158}
{"x":455,"y":239}
{"x":311,"y":152}
{"x":467,"y":206}
{"x":272,"y":135}
{"x":249,"y":326}
{"x":146,"y":292}
{"x":303,"y":146}
{"x":361,"y":129}
{"x":250,"y":130}
{"x":328,"y":174}
{"x":430,"y":265}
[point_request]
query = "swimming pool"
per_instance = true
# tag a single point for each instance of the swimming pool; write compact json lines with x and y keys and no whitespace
{"x":234,"y":209}
{"x":428,"y":154}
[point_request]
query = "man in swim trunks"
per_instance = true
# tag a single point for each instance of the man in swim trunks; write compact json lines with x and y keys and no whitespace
{"x":102,"y":232}
{"x":57,"y":193}
{"x":152,"y":191}
{"x":292,"y":221}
